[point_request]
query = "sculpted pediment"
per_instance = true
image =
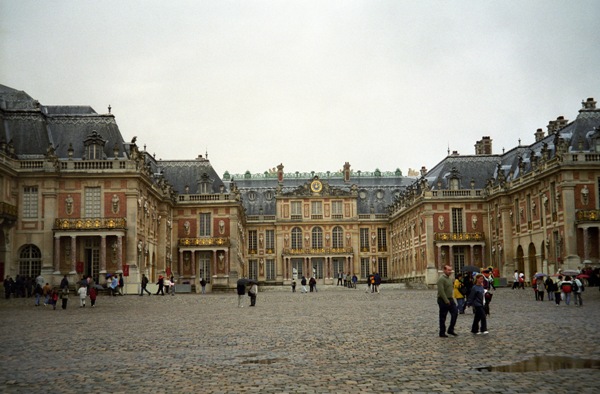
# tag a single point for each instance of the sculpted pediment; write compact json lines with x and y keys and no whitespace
{"x":316,"y":187}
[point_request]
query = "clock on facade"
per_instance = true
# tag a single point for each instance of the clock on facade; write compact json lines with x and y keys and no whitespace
{"x":316,"y":186}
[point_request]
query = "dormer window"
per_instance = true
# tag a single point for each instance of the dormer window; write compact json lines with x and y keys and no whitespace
{"x":204,"y":185}
{"x":94,"y":146}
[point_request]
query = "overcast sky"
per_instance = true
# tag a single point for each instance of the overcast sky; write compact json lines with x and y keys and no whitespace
{"x":310,"y":84}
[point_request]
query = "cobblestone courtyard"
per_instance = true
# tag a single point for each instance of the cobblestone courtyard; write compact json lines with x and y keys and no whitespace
{"x":336,"y":340}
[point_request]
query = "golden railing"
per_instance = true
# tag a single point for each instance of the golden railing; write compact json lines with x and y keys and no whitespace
{"x":220,"y":241}
{"x":459,"y":237}
{"x":588,"y":215}
{"x":318,"y":251}
{"x":91,"y":224}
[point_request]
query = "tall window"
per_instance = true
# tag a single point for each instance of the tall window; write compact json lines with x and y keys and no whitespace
{"x":338,"y":265}
{"x":382,"y":239}
{"x":296,"y":238}
{"x":457,"y":220}
{"x":337,"y":239}
{"x":92,"y":204}
{"x":30,"y":261}
{"x":296,"y":210}
{"x":205,"y":221}
{"x":317,"y":238}
{"x":364,"y":239}
{"x":336,"y":210}
{"x":382,"y":266}
{"x":270,"y":241}
{"x":459,"y":258}
{"x":270,"y":266}
{"x":30,"y":202}
{"x":252,"y":244}
{"x":365,"y":267}
{"x":297,"y":265}
{"x":317,"y":209}
{"x":252,"y":269}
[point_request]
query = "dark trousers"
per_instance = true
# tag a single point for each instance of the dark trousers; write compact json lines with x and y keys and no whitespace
{"x":252,"y":299}
{"x":160,"y":290}
{"x":444,"y":309}
{"x":145,"y":290}
{"x":479,"y":319}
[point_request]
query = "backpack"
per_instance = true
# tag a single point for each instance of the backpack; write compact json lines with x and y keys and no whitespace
{"x":566,"y":288}
{"x":462,"y":289}
{"x":575,"y":287}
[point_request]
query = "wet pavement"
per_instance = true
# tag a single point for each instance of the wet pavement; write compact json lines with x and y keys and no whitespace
{"x":336,"y":340}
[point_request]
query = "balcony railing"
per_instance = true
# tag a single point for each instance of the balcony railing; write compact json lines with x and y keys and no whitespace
{"x":459,"y":237}
{"x":221,"y":241}
{"x":318,"y":251}
{"x":588,"y":215}
{"x":91,"y":224}
{"x":8,"y":211}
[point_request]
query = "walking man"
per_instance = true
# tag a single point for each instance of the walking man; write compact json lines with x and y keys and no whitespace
{"x":446,"y":302}
{"x":144,"y":284}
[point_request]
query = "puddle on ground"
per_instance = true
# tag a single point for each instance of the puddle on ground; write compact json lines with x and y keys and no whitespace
{"x":264,"y":361}
{"x":544,"y":363}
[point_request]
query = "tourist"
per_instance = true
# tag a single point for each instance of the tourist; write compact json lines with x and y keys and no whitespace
{"x":354,"y":281}
{"x":516,"y":280}
{"x":64,"y":282}
{"x":340,"y":276}
{"x":241,"y":291}
{"x":38,"y":291}
{"x":82,"y":295}
{"x":144,"y":284}
{"x":541,"y":288}
{"x":47,"y":292}
{"x":160,"y":283}
{"x":550,"y":288}
{"x":293,"y":286}
{"x":458,"y":295}
{"x":93,"y":295}
{"x":252,"y":293}
{"x":64,"y":296}
{"x":167,"y":285}
{"x":477,"y":301}
{"x":577,"y":290}
{"x":121,"y":284}
{"x":311,"y":283}
{"x":446,"y":302}
{"x":203,"y":285}
{"x":303,"y":283}
{"x":54,"y":298}
{"x":172,"y":285}
{"x":566,"y":287}
{"x":557,"y":291}
{"x":114,"y":285}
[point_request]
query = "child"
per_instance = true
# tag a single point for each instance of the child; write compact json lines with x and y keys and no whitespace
{"x":54,"y":297}
{"x":93,"y":295}
{"x":293,"y":286}
{"x":82,"y":295}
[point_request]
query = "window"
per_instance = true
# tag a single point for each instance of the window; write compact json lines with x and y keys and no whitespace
{"x":337,"y":240}
{"x":517,"y":215}
{"x":338,"y":265}
{"x":365,"y":267}
{"x":30,"y":202}
{"x":270,"y":241}
{"x":252,"y":269}
{"x":364,"y":239}
{"x":296,"y":238}
{"x":553,"y":197}
{"x":336,"y":210}
{"x":297,"y":265}
{"x":30,"y":261}
{"x":317,"y":210}
{"x":205,"y":221}
{"x":457,"y":221}
{"x":382,"y":267}
{"x":92,"y":204}
{"x":459,"y":258}
{"x":252,"y":245}
{"x":204,"y":266}
{"x":296,"y":210}
{"x":317,"y":238}
{"x":382,"y":239}
{"x":270,"y":265}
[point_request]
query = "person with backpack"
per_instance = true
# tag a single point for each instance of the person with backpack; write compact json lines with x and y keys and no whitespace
{"x":566,"y":287}
{"x":577,"y":290}
{"x":557,"y":291}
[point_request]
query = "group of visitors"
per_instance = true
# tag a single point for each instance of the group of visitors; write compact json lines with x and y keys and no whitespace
{"x":163,"y":283}
{"x":347,"y":280}
{"x":562,"y":289}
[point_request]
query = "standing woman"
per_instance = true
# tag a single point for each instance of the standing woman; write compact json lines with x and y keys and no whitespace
{"x":252,"y":293}
{"x":477,"y":301}
{"x":458,"y":296}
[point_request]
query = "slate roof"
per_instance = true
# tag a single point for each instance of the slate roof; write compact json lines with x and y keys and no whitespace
{"x":33,"y":127}
{"x":182,"y":173}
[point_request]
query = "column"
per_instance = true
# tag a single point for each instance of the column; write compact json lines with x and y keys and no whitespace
{"x":586,"y":244}
{"x":57,"y":254}
{"x":450,"y":256}
{"x":103,"y":253}
{"x":440,"y":259}
{"x":73,"y":253}
{"x":119,"y":253}
{"x":193,"y":263}
{"x":472,"y":249}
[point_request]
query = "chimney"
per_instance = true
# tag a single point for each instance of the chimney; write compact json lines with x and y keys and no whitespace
{"x":423,"y":170}
{"x":455,"y":153}
{"x":539,"y":135}
{"x":555,"y":125}
{"x":280,"y":173}
{"x":483,"y":146}
{"x":588,"y":104}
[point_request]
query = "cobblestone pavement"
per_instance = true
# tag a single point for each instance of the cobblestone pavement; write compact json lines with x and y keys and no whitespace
{"x":336,"y":340}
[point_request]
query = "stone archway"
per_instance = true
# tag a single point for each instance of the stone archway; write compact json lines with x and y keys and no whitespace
{"x":520,"y":263}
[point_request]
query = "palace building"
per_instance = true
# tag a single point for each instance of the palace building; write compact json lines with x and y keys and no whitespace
{"x":79,"y":199}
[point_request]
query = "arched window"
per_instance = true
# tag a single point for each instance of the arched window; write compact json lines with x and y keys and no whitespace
{"x":30,"y":261}
{"x":337,"y":237}
{"x":296,"y":238}
{"x":317,"y":238}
